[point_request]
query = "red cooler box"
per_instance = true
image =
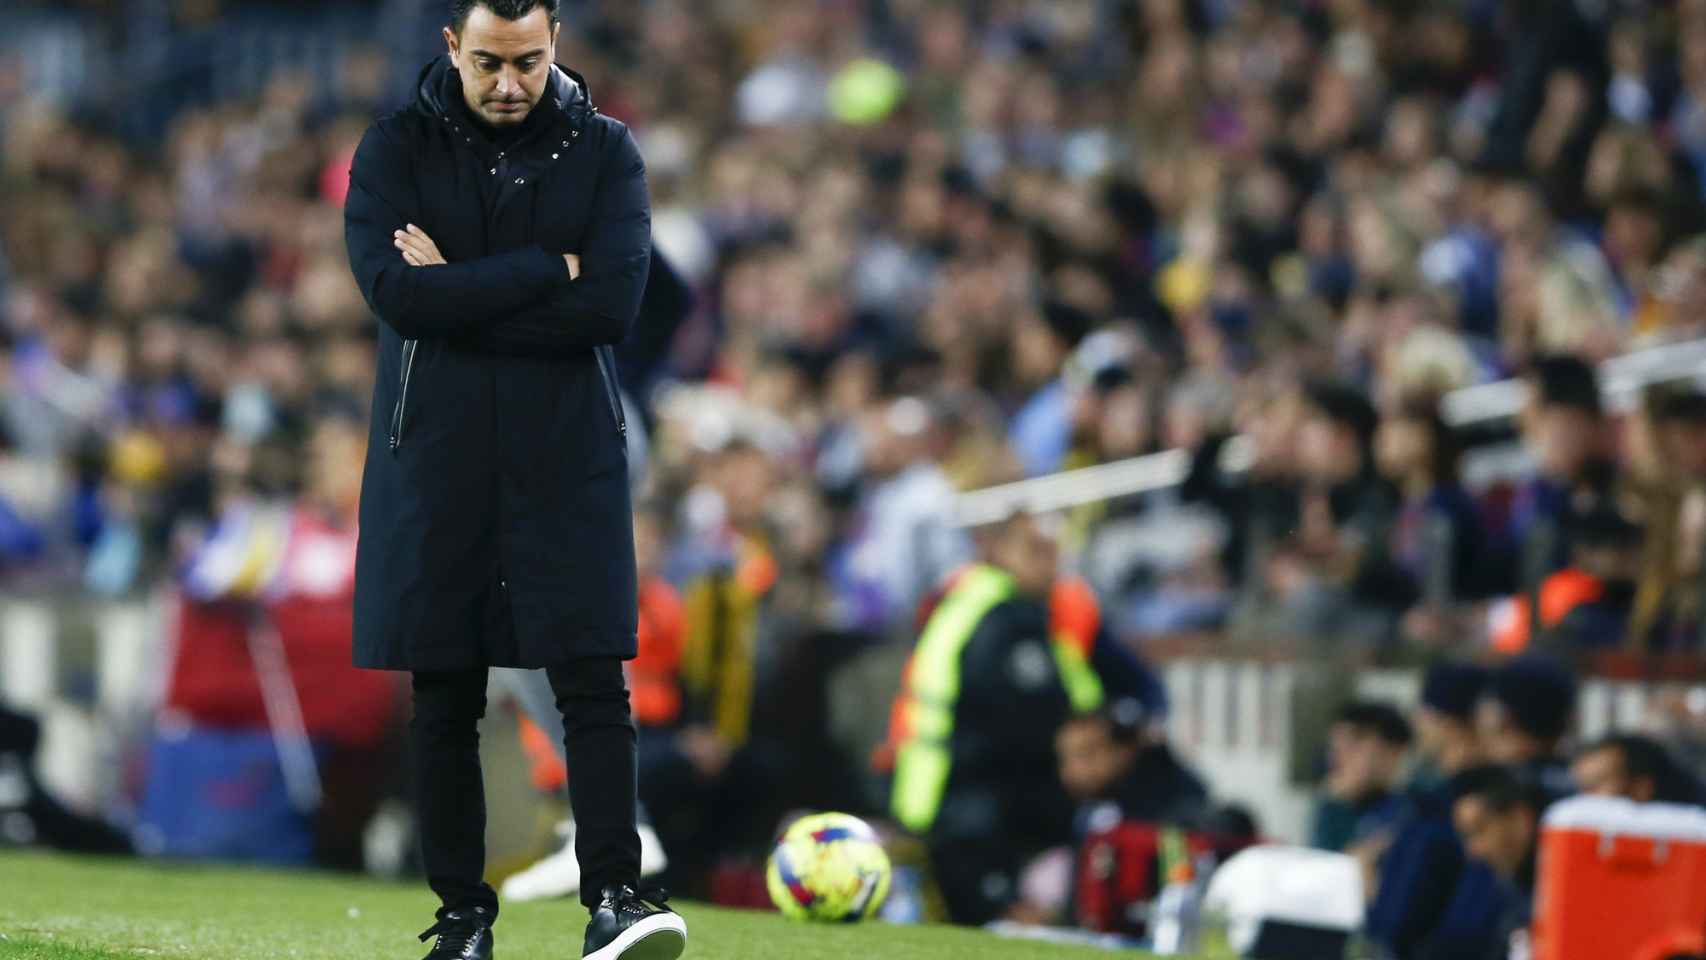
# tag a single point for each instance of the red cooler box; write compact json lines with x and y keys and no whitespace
{"x":1620,"y":881}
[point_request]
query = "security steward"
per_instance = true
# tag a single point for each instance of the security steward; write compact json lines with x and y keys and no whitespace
{"x":987,"y":688}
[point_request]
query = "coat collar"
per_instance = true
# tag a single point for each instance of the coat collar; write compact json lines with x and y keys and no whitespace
{"x":568,"y":98}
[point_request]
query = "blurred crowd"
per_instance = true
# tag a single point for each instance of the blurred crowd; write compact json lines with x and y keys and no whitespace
{"x":937,"y":246}
{"x":929,"y":247}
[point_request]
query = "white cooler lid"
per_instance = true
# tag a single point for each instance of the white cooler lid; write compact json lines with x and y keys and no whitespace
{"x":1626,"y":818}
{"x":1292,"y":884}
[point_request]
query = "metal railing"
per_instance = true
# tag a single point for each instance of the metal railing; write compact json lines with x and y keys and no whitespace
{"x":1621,"y":380}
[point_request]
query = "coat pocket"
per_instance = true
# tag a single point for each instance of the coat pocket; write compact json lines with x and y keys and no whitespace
{"x":607,"y":374}
{"x":397,"y":411}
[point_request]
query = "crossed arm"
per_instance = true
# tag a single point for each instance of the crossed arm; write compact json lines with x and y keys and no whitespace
{"x":526,"y":298}
{"x":419,"y":250}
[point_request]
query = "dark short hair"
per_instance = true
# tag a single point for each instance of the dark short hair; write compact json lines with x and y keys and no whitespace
{"x":1381,"y":720}
{"x":1646,"y":758}
{"x":1444,"y":454}
{"x":1123,"y":720}
{"x":1539,"y":694}
{"x":1642,"y":757}
{"x":1563,"y":380}
{"x":1346,"y":406}
{"x":508,"y":9}
{"x":1452,"y":688}
{"x":1502,"y":789}
{"x":1678,"y":406}
{"x":1605,"y":527}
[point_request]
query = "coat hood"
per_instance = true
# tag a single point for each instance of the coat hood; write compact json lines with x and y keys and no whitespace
{"x":567,"y":93}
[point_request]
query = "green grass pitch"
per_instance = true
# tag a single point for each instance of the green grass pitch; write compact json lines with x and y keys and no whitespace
{"x":67,"y":908}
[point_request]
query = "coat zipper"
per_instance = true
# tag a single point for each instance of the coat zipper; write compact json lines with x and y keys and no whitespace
{"x":605,"y":375}
{"x":409,"y":348}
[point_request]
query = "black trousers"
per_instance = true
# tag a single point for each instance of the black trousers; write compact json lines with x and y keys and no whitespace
{"x":450,"y":797}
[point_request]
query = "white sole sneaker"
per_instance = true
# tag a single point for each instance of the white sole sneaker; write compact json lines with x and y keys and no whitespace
{"x":662,"y":936}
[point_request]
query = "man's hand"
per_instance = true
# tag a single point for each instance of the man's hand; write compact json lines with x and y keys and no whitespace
{"x":1367,"y":853}
{"x":418,"y":248}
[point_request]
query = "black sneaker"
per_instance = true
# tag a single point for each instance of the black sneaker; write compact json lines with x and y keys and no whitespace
{"x":634,"y":926}
{"x":462,"y":935}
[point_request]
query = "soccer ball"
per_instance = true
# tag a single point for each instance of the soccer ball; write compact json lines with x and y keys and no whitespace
{"x":829,"y":868}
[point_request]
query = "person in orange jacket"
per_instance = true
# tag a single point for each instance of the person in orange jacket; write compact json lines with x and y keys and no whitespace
{"x":1587,"y":605}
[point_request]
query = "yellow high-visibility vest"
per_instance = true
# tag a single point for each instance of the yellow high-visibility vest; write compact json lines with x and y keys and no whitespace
{"x":924,"y":760}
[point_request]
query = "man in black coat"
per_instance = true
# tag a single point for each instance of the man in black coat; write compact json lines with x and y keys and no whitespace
{"x":500,"y":228}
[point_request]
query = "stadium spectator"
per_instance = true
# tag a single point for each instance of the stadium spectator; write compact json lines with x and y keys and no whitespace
{"x":1119,"y":756}
{"x":1139,"y":806}
{"x":1563,"y":428}
{"x":1415,"y":880}
{"x":1261,"y":505}
{"x":1042,"y":340}
{"x":1587,"y":605}
{"x":1331,"y":577}
{"x":902,"y":540}
{"x":1524,"y":719}
{"x":1669,"y":477}
{"x":1672,"y":306}
{"x":1366,"y":748}
{"x":1654,"y":491}
{"x":1497,"y":812}
{"x":710,"y":770}
{"x":1680,"y":416}
{"x":1636,"y":768}
{"x":276,"y":568}
{"x":1436,"y":538}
